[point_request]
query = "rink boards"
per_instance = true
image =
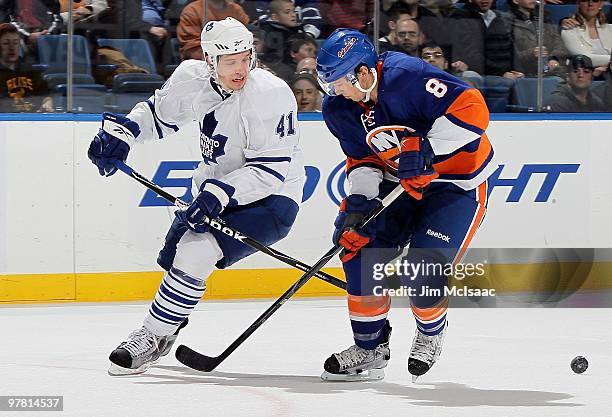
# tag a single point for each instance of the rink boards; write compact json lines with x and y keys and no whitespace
{"x":68,"y":234}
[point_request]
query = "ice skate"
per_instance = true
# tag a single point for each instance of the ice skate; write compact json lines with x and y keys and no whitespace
{"x":424,"y":353}
{"x":358,"y":364}
{"x":141,"y":350}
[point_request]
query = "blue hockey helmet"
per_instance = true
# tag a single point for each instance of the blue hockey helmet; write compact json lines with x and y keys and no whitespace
{"x":339,"y":56}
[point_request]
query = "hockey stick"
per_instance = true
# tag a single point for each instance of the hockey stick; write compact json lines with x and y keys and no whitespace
{"x":218,"y":224}
{"x":204,"y":363}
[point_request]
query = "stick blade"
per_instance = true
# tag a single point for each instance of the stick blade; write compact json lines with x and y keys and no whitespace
{"x":195,"y":360}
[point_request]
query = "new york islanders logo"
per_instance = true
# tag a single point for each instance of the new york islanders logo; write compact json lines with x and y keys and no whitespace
{"x":347,"y":46}
{"x":212,"y":145}
{"x":386,"y":142}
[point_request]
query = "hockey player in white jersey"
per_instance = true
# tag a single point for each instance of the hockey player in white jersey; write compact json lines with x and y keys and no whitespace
{"x":251,"y":175}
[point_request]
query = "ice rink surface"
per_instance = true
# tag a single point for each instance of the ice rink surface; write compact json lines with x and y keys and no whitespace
{"x":495,"y":362}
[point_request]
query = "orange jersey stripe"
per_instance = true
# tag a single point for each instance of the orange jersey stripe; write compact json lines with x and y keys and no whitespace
{"x":466,"y":162}
{"x":368,"y":305}
{"x":352,"y":163}
{"x":471,"y":108}
{"x":431,"y":313}
{"x":481,"y":196}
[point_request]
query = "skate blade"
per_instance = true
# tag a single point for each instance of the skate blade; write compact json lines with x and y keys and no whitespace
{"x":414,"y":378}
{"x":371,"y":375}
{"x":116,"y":370}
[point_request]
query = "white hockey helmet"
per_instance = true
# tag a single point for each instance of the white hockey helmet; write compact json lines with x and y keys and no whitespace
{"x":225,"y":37}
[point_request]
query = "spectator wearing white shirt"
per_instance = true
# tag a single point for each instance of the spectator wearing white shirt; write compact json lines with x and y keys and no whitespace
{"x":587,"y":33}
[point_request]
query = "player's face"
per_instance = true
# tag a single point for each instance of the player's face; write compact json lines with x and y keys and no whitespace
{"x":233,"y":70}
{"x":344,"y":87}
{"x":306,"y":95}
{"x":9,"y":48}
{"x":286,"y":16}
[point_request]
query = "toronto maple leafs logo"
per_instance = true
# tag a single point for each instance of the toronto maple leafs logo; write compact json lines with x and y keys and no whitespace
{"x":212,"y":145}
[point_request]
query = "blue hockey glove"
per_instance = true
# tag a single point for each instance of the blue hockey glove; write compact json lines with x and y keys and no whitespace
{"x":414,"y":168}
{"x":352,"y":210}
{"x":110,"y":144}
{"x":209,"y":203}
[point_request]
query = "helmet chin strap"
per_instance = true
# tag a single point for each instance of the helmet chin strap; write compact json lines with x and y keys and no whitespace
{"x":368,"y":91}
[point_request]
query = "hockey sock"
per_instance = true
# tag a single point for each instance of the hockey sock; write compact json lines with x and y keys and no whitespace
{"x":176,"y":297}
{"x":431,"y":320}
{"x":368,"y":315}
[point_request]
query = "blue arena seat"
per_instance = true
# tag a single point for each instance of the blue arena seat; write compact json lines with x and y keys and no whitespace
{"x":137,"y":51}
{"x":53,"y":54}
{"x":526,"y":92}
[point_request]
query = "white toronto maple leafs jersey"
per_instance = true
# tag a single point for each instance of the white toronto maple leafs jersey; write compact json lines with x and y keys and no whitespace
{"x":249,"y":139}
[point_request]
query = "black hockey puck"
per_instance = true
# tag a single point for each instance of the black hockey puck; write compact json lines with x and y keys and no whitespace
{"x":579,"y":364}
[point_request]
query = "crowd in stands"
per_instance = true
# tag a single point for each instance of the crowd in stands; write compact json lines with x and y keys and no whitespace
{"x":491,"y":44}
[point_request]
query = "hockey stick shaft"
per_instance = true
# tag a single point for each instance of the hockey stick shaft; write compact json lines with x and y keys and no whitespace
{"x":200,"y":362}
{"x":229,"y":231}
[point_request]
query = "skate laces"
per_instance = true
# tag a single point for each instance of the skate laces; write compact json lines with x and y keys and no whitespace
{"x":352,"y":356}
{"x":427,"y":348}
{"x":139,"y":342}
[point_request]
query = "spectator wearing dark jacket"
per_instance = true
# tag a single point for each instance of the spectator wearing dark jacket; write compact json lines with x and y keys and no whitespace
{"x":483,"y":39}
{"x":604,"y":90}
{"x":434,"y":27}
{"x":405,"y":36}
{"x":523,"y":21}
{"x":576,"y":95}
{"x":281,"y":26}
{"x":306,"y":11}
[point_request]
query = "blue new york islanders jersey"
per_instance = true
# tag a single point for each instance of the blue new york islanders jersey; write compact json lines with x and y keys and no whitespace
{"x":417,"y":99}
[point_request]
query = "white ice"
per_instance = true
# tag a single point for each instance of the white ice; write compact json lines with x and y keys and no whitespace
{"x":495,"y":362}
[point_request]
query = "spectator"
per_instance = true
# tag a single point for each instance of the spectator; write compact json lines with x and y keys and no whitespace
{"x":82,"y":11}
{"x":281,"y":25}
{"x":300,"y":47}
{"x":433,"y":54}
{"x":34,"y":18}
{"x":22,"y":88}
{"x":158,"y":35}
{"x":405,"y":36}
{"x":355,"y":14}
{"x":307,"y":14}
{"x":434,"y":27}
{"x":604,"y":90}
{"x":123,"y":19}
{"x":307,"y":65}
{"x":259,"y":45}
{"x":575,"y":96}
{"x":523,"y":22}
{"x":589,"y":34}
{"x":192,"y":22}
{"x":307,"y":92}
{"x":484,"y":40}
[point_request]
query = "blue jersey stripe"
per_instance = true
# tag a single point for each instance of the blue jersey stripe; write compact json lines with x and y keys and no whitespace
{"x":268,"y":170}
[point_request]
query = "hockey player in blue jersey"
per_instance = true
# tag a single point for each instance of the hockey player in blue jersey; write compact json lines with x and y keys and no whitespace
{"x":251,"y":174}
{"x":399,"y":119}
